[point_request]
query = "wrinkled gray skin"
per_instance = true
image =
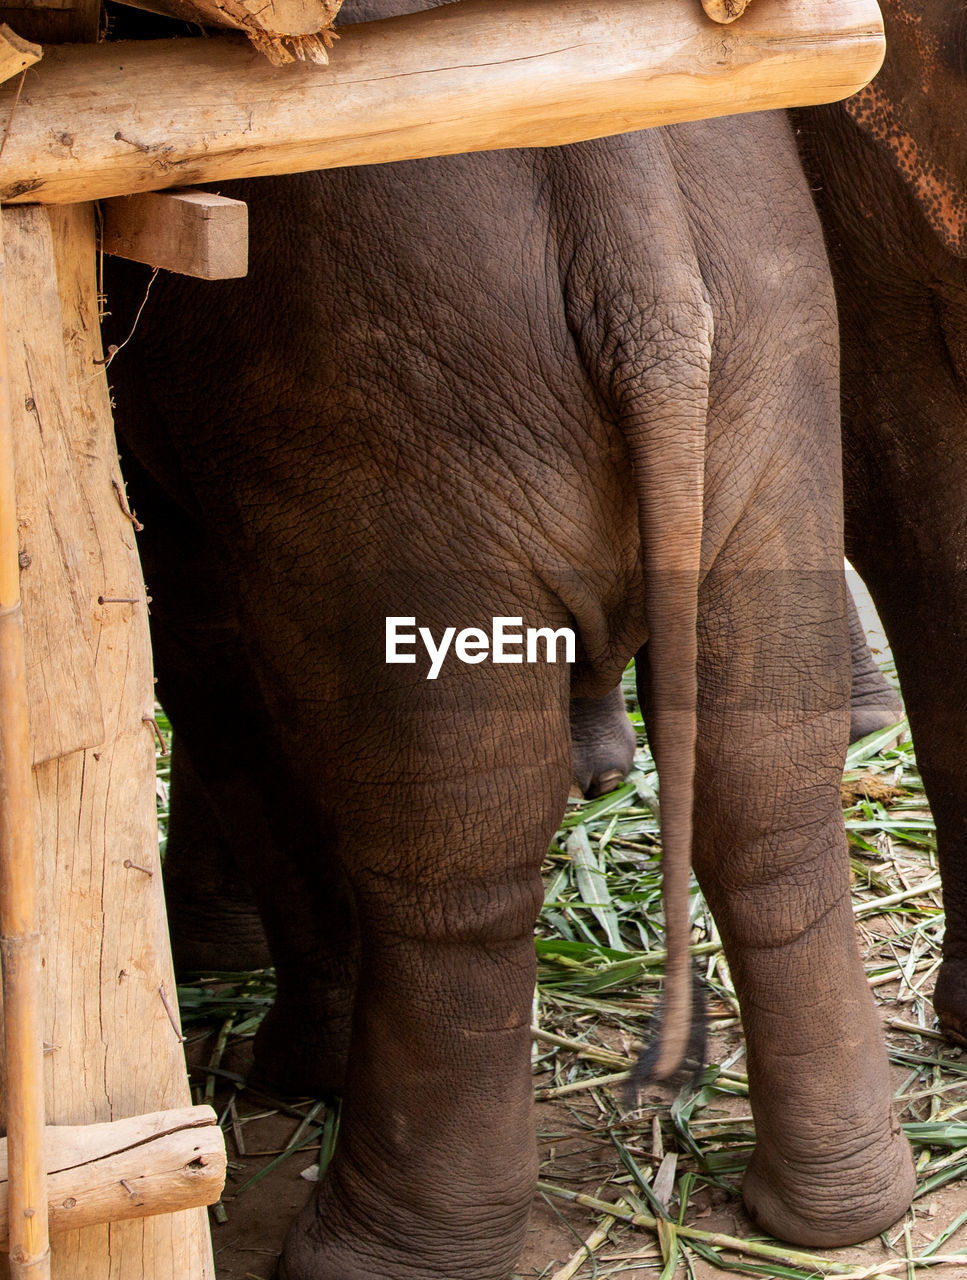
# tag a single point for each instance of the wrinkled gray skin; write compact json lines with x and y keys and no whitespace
{"x":436,"y":395}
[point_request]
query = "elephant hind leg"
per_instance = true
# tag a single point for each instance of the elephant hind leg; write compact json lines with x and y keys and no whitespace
{"x":443,"y":841}
{"x":831,"y":1165}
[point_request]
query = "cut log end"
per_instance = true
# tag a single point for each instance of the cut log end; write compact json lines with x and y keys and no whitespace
{"x":725,"y":11}
{"x":281,"y":49}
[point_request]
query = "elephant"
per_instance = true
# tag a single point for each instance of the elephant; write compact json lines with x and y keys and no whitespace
{"x":888,"y":168}
{"x":590,"y":388}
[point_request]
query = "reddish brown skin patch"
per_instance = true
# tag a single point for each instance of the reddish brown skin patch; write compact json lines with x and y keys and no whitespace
{"x":902,"y":108}
{"x":943,"y":201}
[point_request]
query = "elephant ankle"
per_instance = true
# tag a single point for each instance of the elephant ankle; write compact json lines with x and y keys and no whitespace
{"x":838,"y":1198}
{"x":338,"y":1238}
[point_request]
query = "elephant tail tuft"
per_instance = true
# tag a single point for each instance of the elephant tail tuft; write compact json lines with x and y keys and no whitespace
{"x":692,"y":1062}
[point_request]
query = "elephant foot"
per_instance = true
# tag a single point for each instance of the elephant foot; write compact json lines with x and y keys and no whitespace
{"x":874,"y":703}
{"x":820,"y":1205}
{"x":602,"y":743}
{"x":950,"y":1001}
{"x":323,"y":1244}
{"x":302,"y":1056}
{"x":869,"y":715}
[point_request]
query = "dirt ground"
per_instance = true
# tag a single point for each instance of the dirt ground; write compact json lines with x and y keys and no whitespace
{"x":576,"y":1153}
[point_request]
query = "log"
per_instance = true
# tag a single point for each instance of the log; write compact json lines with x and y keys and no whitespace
{"x":15,"y":53}
{"x":191,"y":232}
{"x":283,"y":30}
{"x":114,"y":1049}
{"x":135,"y":1168}
{"x":106,"y":120}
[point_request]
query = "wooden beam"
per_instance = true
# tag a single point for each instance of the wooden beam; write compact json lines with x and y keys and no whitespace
{"x":191,"y":232}
{"x":15,"y":53}
{"x":114,"y":119}
{"x":136,"y":1168}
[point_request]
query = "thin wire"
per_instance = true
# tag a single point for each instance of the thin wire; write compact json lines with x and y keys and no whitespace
{"x":13,"y":109}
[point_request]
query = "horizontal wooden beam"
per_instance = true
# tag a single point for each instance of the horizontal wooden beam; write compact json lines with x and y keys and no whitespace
{"x":158,"y":1163}
{"x":192,"y":232}
{"x":114,"y":119}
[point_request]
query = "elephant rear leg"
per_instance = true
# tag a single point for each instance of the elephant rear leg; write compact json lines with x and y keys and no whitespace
{"x":436,"y":1163}
{"x":831,"y":1165}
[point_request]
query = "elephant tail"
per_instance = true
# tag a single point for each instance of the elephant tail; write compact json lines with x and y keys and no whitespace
{"x":669,"y":479}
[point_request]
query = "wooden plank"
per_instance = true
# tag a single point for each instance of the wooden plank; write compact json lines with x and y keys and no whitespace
{"x":114,"y":119}
{"x":107,"y":968}
{"x":97,"y":1173}
{"x":191,"y":232}
{"x":15,"y":53}
{"x":65,"y":704}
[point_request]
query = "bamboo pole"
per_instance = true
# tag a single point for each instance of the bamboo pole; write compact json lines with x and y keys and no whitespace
{"x":115,"y":119}
{"x":19,"y":933}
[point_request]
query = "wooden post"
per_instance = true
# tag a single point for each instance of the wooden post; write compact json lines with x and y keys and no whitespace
{"x":19,"y":932}
{"x":114,"y":1050}
{"x":114,"y":119}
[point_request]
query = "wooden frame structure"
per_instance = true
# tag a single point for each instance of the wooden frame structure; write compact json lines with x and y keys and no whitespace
{"x":99,"y":1121}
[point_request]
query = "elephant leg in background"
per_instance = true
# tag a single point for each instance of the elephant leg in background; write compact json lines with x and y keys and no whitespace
{"x":246,"y":860}
{"x":906,"y":501}
{"x":874,"y":703}
{"x":213,"y":917}
{"x":602,"y":742}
